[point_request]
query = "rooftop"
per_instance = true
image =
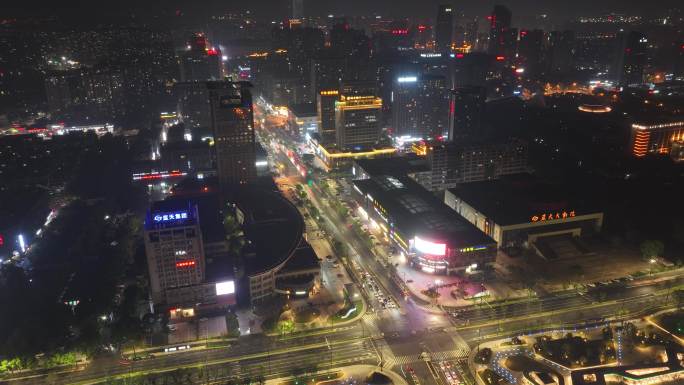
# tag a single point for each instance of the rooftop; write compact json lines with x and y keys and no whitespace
{"x":272,"y":226}
{"x":396,"y":166}
{"x":303,"y":109}
{"x":417,"y":212}
{"x":515,"y":199}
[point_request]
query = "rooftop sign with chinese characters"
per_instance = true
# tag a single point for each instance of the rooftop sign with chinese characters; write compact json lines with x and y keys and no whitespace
{"x":552,"y":216}
{"x":168,"y":217}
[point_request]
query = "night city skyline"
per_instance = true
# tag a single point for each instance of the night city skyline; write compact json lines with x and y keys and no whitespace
{"x":293,"y":192}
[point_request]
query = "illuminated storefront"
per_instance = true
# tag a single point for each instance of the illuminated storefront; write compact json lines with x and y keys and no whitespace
{"x":431,"y":237}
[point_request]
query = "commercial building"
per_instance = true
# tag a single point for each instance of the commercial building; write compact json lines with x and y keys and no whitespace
{"x":232,"y":123}
{"x":334,"y":158}
{"x":357,"y":121}
{"x":521,"y":211}
{"x":468,"y":161}
{"x":444,"y":28}
{"x":466,"y":111}
{"x":276,"y":259}
{"x":303,"y":118}
{"x":177,"y":247}
{"x":433,"y":238}
{"x":655,"y":137}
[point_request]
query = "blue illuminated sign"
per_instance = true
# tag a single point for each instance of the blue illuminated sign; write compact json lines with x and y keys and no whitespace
{"x":167,"y":217}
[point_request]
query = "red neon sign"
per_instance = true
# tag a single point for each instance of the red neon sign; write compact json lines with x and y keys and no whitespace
{"x":182,"y":264}
{"x":212,"y":52}
{"x":500,"y":58}
{"x":460,"y":56}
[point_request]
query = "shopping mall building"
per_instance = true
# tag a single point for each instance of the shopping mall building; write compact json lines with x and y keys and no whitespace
{"x":522,"y":211}
{"x":434,"y":238}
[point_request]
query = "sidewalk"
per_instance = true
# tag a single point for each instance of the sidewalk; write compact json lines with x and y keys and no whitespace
{"x":358,"y":373}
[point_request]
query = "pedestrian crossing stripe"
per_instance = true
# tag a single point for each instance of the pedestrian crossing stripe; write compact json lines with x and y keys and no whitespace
{"x":451,"y":355}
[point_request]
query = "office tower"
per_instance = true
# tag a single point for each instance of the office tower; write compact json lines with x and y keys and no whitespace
{"x":405,"y":104}
{"x":174,"y":247}
{"x":357,"y":115}
{"x":326,"y":72}
{"x":325,"y":107}
{"x":200,"y":62}
{"x":499,"y":26}
{"x":530,"y":52}
{"x":444,"y":28}
{"x":631,"y":58}
{"x":466,"y":110}
{"x":560,"y":52}
{"x":234,"y":139}
{"x":419,"y":106}
{"x":433,"y":111}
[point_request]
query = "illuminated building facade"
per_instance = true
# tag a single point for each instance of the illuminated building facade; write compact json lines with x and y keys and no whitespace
{"x":357,"y":121}
{"x":335,"y":159}
{"x":519,"y":210}
{"x":234,"y":138}
{"x":444,"y":28}
{"x":174,"y":248}
{"x":419,"y":106}
{"x":433,"y":238}
{"x":655,"y":138}
{"x":325,"y":103}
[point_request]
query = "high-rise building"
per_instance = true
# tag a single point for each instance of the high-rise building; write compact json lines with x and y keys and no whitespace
{"x":357,"y":115}
{"x":174,"y":248}
{"x":193,"y":104}
{"x":560,"y":52}
{"x":419,"y":106}
{"x":200,"y":62}
{"x":530,"y":52}
{"x":325,"y":107}
{"x":466,"y":110}
{"x":631,"y":58}
{"x":405,"y":107}
{"x":433,"y":112}
{"x":234,"y":138}
{"x":499,"y":27}
{"x":444,"y":28}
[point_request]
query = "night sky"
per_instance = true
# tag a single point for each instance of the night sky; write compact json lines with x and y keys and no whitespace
{"x":523,"y":10}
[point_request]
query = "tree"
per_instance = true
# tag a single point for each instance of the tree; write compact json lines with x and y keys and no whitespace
{"x":652,"y":249}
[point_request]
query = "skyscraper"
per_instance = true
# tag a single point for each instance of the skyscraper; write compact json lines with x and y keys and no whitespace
{"x":419,"y":106}
{"x":199,"y":62}
{"x":466,"y":110}
{"x":499,"y":25}
{"x":444,"y":28}
{"x":405,"y":105}
{"x":232,"y":124}
{"x":357,"y":116}
{"x":631,"y":58}
{"x":530,"y":51}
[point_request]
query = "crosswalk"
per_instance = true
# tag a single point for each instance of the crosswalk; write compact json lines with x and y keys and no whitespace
{"x":449,"y":355}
